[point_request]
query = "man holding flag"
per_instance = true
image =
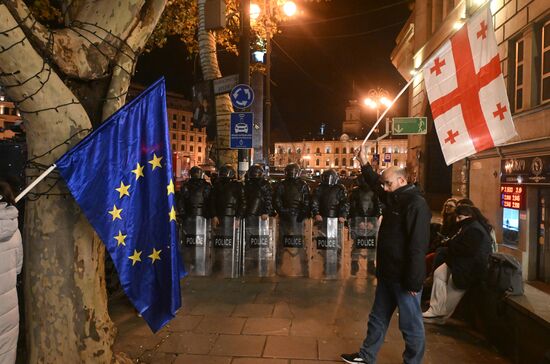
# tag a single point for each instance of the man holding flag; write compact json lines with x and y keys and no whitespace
{"x":121,"y":176}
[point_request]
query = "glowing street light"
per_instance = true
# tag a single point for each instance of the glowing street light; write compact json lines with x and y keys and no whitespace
{"x":255,"y":11}
{"x":290,"y":8}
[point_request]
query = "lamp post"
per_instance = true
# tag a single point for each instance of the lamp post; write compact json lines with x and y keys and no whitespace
{"x":376,"y":98}
{"x":289,"y":9}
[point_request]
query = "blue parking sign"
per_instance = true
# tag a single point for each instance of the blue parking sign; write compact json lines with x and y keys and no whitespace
{"x":241,"y":130}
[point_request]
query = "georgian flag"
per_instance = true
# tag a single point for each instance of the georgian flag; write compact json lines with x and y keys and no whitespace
{"x":467,"y":92}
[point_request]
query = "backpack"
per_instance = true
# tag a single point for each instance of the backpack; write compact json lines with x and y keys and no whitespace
{"x":504,"y":274}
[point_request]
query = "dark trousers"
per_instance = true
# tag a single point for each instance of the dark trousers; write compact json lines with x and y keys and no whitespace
{"x":388,"y":297}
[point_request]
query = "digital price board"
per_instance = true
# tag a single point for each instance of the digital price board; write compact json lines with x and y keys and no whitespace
{"x":512,"y":197}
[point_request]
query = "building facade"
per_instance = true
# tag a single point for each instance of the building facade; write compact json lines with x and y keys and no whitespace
{"x":510,"y":183}
{"x":188,"y":143}
{"x":319,"y":155}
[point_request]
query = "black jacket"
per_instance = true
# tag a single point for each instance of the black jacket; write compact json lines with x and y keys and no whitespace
{"x":468,"y":253}
{"x":291,"y":197}
{"x":404,"y":234}
{"x":227,"y":198}
{"x":194,"y":198}
{"x":363,"y":202}
{"x":258,"y":196}
{"x":330,"y":201}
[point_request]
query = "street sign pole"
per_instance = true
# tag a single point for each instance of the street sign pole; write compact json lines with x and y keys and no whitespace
{"x":244,"y":74}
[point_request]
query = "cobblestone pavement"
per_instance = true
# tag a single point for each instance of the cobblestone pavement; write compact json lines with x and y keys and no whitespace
{"x":280,"y":321}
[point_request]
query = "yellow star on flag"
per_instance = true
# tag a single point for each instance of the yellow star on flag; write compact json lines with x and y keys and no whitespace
{"x":136,"y":257}
{"x":116,"y":213}
{"x":155,"y":255}
{"x":170,"y":187}
{"x":172,"y":214}
{"x":155,"y":162}
{"x":138,"y":171}
{"x":120,"y":239}
{"x":123,"y":190}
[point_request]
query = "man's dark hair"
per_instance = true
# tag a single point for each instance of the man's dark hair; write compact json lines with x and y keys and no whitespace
{"x":465,"y":201}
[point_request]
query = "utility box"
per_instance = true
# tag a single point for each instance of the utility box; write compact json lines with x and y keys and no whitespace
{"x":214,"y":11}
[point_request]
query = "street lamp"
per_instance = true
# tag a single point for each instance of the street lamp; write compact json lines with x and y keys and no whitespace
{"x":289,"y":9}
{"x":376,"y":98}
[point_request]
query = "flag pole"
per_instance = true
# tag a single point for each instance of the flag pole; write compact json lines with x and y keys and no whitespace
{"x":35,"y":182}
{"x":381,"y":117}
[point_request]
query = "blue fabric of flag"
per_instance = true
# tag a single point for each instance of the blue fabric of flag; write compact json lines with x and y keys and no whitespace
{"x":121,"y":176}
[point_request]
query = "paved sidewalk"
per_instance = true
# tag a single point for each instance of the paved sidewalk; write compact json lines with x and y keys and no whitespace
{"x":279,"y":321}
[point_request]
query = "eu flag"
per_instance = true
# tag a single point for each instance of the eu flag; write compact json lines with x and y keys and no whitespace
{"x":121,"y":176}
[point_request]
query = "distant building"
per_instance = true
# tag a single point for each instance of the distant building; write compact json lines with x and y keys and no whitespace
{"x":319,"y":155}
{"x":9,"y":118}
{"x":188,"y":143}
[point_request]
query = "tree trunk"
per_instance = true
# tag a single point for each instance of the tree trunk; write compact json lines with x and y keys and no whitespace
{"x":65,"y":298}
{"x":211,"y":70}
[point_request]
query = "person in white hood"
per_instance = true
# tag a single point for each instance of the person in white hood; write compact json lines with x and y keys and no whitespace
{"x":11,"y":260}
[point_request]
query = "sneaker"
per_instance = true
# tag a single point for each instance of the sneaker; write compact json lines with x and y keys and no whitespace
{"x":440,"y":320}
{"x":352,"y":358}
{"x":429,"y":314}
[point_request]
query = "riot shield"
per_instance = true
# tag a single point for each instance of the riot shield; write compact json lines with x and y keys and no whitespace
{"x":292,"y":250}
{"x":196,"y":246}
{"x":259,"y":247}
{"x":363,"y":231}
{"x":326,"y":252}
{"x":227,"y":248}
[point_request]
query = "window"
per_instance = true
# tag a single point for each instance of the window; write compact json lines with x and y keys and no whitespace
{"x":395,"y":162}
{"x":545,"y":64}
{"x":174,"y":117}
{"x":190,"y":138}
{"x":182,"y":126}
{"x":183,"y":118}
{"x":317,"y":162}
{"x":336,"y":162}
{"x":174,"y":125}
{"x":190,"y":148}
{"x":182,"y":147}
{"x":308,"y":150}
{"x":327,"y":162}
{"x":518,"y":82}
{"x":174,"y":136}
{"x":298,"y":150}
{"x":307,"y":163}
{"x":327,"y":150}
{"x":372,"y":150}
{"x":200,"y":139}
{"x":199,"y":150}
{"x":344,"y":151}
{"x":384,"y":150}
{"x":199,"y":158}
{"x":317,"y":150}
{"x":344,"y":162}
{"x":183,"y":137}
{"x":289,"y":150}
{"x":173,"y":147}
{"x":337,"y":150}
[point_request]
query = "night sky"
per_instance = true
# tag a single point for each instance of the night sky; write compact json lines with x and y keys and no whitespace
{"x":316,"y":61}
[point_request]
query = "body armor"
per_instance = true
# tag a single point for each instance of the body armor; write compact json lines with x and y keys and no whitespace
{"x":292,"y":197}
{"x":193,"y":198}
{"x":330,"y":201}
{"x":258,"y":197}
{"x":227,"y":198}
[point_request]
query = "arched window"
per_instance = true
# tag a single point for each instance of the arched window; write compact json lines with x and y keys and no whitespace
{"x":344,"y":151}
{"x":308,"y":150}
{"x":299,"y":150}
{"x":327,"y":163}
{"x":336,"y":162}
{"x":317,"y":162}
{"x":384,"y":150}
{"x":317,"y":150}
{"x":344,"y":162}
{"x":395,"y":162}
{"x":327,"y":150}
{"x":337,"y":150}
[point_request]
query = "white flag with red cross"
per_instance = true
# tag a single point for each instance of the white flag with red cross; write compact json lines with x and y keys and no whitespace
{"x":467,"y":92}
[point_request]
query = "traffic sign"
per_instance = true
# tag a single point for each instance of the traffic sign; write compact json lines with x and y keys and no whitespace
{"x":387,"y":157}
{"x":225,"y":84}
{"x":241,"y":96}
{"x":241,"y":130}
{"x":410,"y":126}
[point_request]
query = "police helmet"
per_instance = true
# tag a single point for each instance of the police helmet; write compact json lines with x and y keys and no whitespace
{"x":329,"y":177}
{"x":227,"y":171}
{"x":255,"y":171}
{"x":196,"y":172}
{"x":292,"y":170}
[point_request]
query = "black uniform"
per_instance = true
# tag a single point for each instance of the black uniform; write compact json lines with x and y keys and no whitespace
{"x":194,"y":198}
{"x":258,"y":194}
{"x":330,"y":198}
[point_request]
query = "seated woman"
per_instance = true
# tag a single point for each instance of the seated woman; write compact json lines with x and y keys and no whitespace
{"x":465,"y":263}
{"x":439,"y":236}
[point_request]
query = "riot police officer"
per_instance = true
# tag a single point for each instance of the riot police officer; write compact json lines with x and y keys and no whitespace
{"x":363,"y":201}
{"x":330,"y":198}
{"x":258,"y":193}
{"x":227,"y":195}
{"x":194,"y":197}
{"x":292,"y":195}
